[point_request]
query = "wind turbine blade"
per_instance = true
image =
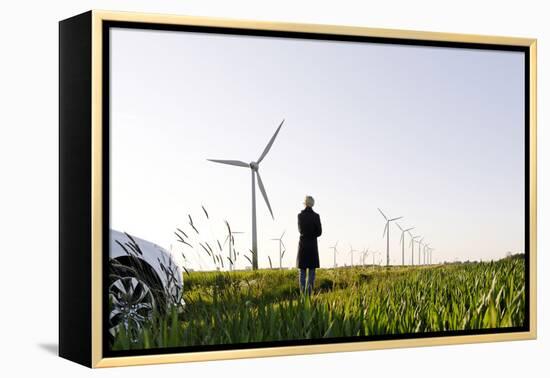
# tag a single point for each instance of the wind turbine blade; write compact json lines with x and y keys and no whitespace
{"x":238,"y":163}
{"x":399,"y":226}
{"x":268,"y":147}
{"x":385,"y":217}
{"x":283,"y":245}
{"x":385,"y":228}
{"x":283,"y":234}
{"x":402,"y":237}
{"x":394,"y":219}
{"x":264,"y":194}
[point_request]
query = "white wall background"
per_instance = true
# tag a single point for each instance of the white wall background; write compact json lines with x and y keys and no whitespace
{"x":28,"y":186}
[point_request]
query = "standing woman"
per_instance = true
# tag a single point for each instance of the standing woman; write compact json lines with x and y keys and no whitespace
{"x":309,"y":226}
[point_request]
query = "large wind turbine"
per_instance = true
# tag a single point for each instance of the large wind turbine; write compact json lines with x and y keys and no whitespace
{"x":282,"y":249}
{"x":403,"y":241}
{"x":334,"y":251}
{"x":387,"y":234}
{"x":254,"y":169}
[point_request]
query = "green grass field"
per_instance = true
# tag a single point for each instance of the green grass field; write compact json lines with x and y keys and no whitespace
{"x":265,"y":305}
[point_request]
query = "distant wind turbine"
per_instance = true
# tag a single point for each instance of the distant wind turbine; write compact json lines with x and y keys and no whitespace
{"x":426,"y":247}
{"x":351,"y":250}
{"x":254,"y":168}
{"x":365,"y":254}
{"x":231,"y":245}
{"x":412,"y":247}
{"x":419,"y":250}
{"x":335,"y":251}
{"x":387,"y":234}
{"x":282,"y":249}
{"x":403,"y":241}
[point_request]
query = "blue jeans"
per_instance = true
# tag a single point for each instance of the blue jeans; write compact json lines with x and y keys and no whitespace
{"x":307,"y":279}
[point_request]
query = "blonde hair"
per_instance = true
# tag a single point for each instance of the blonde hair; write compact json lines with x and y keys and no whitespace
{"x":309,"y":201}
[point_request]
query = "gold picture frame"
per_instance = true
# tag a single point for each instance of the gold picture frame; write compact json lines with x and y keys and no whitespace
{"x":82,"y":65}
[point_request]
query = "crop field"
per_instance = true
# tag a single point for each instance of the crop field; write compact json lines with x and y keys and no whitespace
{"x":266,"y":305}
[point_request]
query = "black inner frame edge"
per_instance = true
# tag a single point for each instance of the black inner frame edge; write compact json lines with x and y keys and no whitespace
{"x":107,"y":25}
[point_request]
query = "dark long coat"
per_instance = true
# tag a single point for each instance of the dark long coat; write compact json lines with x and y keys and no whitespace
{"x":309,"y":226}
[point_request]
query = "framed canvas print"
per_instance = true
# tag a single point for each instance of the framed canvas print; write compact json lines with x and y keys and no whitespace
{"x":235,"y":189}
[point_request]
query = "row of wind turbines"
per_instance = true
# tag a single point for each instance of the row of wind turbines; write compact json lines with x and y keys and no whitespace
{"x":424,"y":254}
{"x":425,"y":250}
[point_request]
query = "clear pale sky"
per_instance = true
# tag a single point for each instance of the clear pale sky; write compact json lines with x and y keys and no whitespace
{"x":431,"y":134}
